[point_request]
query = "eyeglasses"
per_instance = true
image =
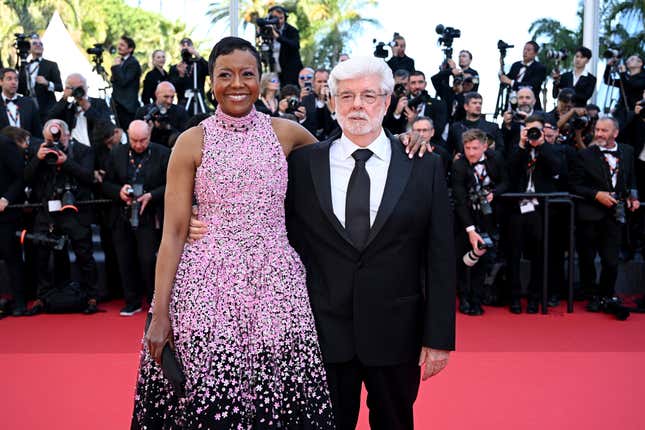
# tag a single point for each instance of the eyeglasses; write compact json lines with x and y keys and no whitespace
{"x":367,"y":98}
{"x":274,"y":80}
{"x":305,"y":77}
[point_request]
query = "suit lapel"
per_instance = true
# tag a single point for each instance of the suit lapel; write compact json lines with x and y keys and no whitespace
{"x":320,"y":175}
{"x":397,"y":178}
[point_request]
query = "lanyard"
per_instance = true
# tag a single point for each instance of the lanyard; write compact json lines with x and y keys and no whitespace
{"x":138,"y":165}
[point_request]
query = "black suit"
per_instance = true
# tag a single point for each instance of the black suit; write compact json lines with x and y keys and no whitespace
{"x":455,"y":143}
{"x":584,"y":88}
{"x":434,"y":109}
{"x":125,"y":90}
{"x":11,"y":188}
{"x":187,"y":82}
{"x":598,"y":230}
{"x":29,"y":116}
{"x":289,"y":58}
{"x":374,"y":308}
{"x":48,"y":70}
{"x":533,"y":77}
{"x":401,"y":63}
{"x":150,"y":82}
{"x":136,"y":248}
{"x":97,"y":112}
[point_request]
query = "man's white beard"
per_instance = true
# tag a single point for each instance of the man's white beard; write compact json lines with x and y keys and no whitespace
{"x":359,"y":128}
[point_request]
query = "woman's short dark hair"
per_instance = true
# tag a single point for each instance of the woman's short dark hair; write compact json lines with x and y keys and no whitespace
{"x":584,"y":51}
{"x":229,"y":44}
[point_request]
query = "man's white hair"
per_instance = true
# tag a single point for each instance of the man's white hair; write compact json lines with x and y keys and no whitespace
{"x":358,"y":67}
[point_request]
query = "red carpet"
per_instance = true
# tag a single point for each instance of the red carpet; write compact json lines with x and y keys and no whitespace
{"x":578,"y":371}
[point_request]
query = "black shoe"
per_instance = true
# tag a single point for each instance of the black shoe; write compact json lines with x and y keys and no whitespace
{"x":91,"y":308}
{"x":533,"y":307}
{"x":476,"y":310}
{"x":594,"y":304}
{"x":516,"y":306}
{"x":554,"y":301}
{"x":464,"y":306}
{"x":130,"y":310}
{"x":36,"y":309}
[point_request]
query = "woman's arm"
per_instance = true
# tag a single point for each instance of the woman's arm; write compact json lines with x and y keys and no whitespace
{"x":291,"y":134}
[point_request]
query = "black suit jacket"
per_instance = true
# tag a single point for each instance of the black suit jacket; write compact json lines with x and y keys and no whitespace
{"x":463,"y":179}
{"x":584,"y":88}
{"x":290,"y":62}
{"x":545,"y":175}
{"x":125,"y":84}
{"x":591,"y":174}
{"x":187,"y":81}
{"x":455,"y":143}
{"x":29,"y":116}
{"x":435,"y":109}
{"x":11,"y":178}
{"x":48,"y":70}
{"x":150,"y":82}
{"x":533,"y":77}
{"x":98,"y":111}
{"x":154,"y":180}
{"x":381,"y":303}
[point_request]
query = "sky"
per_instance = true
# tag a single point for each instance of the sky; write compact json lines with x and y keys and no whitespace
{"x":482,"y":24}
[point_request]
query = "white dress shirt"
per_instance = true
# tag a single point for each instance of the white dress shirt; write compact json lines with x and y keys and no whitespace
{"x":80,"y":132}
{"x":12,"y":111}
{"x":342,"y":163}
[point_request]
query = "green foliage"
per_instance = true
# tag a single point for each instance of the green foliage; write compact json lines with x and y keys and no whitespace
{"x":554,"y":36}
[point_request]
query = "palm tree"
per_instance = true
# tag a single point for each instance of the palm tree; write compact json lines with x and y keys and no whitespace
{"x":250,"y":10}
{"x":554,"y":36}
{"x":623,"y":26}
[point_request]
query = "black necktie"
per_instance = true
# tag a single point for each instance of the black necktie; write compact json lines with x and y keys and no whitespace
{"x":357,"y":206}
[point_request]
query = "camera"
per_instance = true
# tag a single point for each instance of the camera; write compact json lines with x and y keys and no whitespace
{"x":269,"y":20}
{"x":614,"y":306}
{"x":186,"y":56}
{"x":480,"y":201}
{"x":399,"y":91}
{"x":292,"y":104}
{"x":157,"y":113}
{"x":133,"y":193}
{"x":620,"y":214}
{"x":487,"y":242}
{"x":533,"y":134}
{"x":557,"y":54}
{"x":78,"y":92}
{"x":96,"y":50}
{"x":580,"y":122}
{"x":448,"y":34}
{"x":46,"y":240}
{"x":22,"y":45}
{"x":264,"y":27}
{"x":503,"y":46}
{"x":56,"y":132}
{"x":613,"y":52}
{"x":471,"y":257}
{"x":422,"y":98}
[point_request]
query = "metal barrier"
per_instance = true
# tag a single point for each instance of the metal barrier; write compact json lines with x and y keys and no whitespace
{"x":78,"y":203}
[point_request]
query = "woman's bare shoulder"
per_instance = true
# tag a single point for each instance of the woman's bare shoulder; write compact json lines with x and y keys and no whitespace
{"x":190,"y":143}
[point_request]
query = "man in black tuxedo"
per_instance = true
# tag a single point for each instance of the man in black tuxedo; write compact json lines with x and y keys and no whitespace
{"x":374,"y":230}
{"x":286,"y":47}
{"x":479,"y":173}
{"x":474,"y":119}
{"x":189,"y":76}
{"x":11,"y":192}
{"x":126,"y":74}
{"x":51,"y":172}
{"x":15,"y":110}
{"x":582,"y":82}
{"x":533,"y":168}
{"x":399,"y":60}
{"x":39,"y":79}
{"x":513,"y":120}
{"x":83,"y":113}
{"x":143,"y":163}
{"x":604,"y":176}
{"x":527,"y":73}
{"x":165,"y":117}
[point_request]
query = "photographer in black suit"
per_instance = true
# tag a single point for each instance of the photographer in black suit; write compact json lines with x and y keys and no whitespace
{"x":15,"y":110}
{"x":477,"y":178}
{"x":474,"y":119}
{"x":11,"y":192}
{"x":465,"y":59}
{"x":126,"y":74}
{"x":528,"y":72}
{"x":533,"y":168}
{"x":60,"y":173}
{"x":604,"y":176}
{"x":192,"y":68}
{"x":135,"y":180}
{"x":78,"y":110}
{"x":582,"y":82}
{"x":399,"y":60}
{"x":39,"y":79}
{"x":163,"y":116}
{"x":631,"y":80}
{"x":286,"y":47}
{"x":515,"y":117}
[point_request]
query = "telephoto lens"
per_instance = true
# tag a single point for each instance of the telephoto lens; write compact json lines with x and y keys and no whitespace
{"x":471,"y":258}
{"x":534,"y":133}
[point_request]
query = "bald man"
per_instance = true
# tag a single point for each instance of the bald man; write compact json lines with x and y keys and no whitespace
{"x":78,"y":110}
{"x":135,"y":180}
{"x":164,"y":117}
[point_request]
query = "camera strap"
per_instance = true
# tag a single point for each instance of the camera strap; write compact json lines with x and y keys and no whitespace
{"x":137,"y":165}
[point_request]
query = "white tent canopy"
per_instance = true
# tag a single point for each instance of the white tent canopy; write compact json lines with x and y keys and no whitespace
{"x":59,"y":47}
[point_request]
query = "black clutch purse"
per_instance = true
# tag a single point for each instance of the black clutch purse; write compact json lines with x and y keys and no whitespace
{"x":171,"y":367}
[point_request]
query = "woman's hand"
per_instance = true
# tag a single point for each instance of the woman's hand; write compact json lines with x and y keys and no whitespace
{"x":197,"y":229}
{"x":158,"y":334}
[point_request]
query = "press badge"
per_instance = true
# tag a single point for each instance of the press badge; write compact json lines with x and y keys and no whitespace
{"x":527,"y":206}
{"x":54,"y":205}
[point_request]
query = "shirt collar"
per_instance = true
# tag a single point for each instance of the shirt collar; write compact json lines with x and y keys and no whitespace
{"x":585,"y":72}
{"x":378,"y":146}
{"x":528,"y":64}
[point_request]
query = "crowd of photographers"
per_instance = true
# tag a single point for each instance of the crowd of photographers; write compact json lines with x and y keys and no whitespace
{"x":69,"y":164}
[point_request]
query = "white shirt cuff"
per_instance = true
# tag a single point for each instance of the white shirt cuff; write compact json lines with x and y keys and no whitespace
{"x":50,"y":86}
{"x":470,"y":228}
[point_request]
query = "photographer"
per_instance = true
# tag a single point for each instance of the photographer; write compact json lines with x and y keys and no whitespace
{"x":290,"y":106}
{"x":528,"y":72}
{"x":286,"y":47}
{"x":182,"y":75}
{"x":453,"y":94}
{"x":156,"y":75}
{"x":11,"y":192}
{"x":163,"y":116}
{"x":631,"y":80}
{"x":425,"y":127}
{"x":60,"y":174}
{"x":533,"y":167}
{"x":521,"y":106}
{"x":399,"y":60}
{"x":318,"y":104}
{"x":474,"y":120}
{"x":604,"y":176}
{"x":477,"y":178}
{"x":80,"y":112}
{"x":136,"y":181}
{"x":126,"y":74}
{"x":465,"y":58}
{"x":39,"y":79}
{"x":582,"y":82}
{"x":15,"y":110}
